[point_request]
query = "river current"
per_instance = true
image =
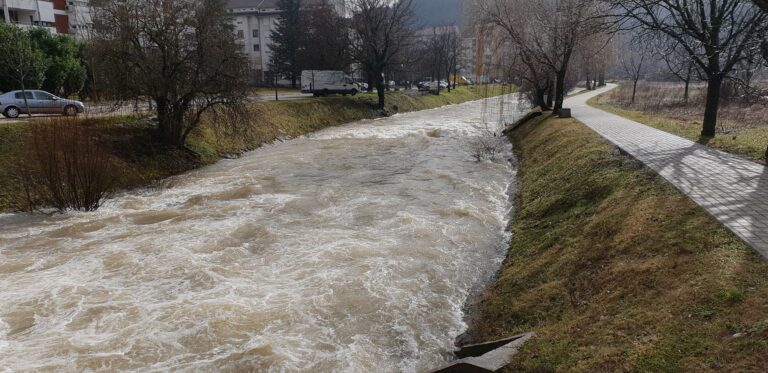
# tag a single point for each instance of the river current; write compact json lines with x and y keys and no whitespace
{"x":351,"y":249}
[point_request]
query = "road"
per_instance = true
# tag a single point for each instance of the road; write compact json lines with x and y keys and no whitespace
{"x":117,"y":109}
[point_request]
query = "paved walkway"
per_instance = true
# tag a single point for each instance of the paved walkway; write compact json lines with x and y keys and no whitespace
{"x":732,"y":189}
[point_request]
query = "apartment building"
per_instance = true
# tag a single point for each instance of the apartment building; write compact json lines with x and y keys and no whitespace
{"x":70,"y":17}
{"x":254,"y":21}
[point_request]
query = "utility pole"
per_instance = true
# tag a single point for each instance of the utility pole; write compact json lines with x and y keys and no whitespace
{"x":39,"y":19}
{"x":274,"y":81}
{"x":6,"y":14}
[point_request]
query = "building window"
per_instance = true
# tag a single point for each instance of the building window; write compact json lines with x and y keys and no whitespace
{"x":255,"y":33}
{"x":256,"y":47}
{"x":240,"y":34}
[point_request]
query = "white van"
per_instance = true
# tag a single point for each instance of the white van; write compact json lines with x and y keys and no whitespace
{"x":326,"y":82}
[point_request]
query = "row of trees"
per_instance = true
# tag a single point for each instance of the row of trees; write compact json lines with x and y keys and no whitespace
{"x":545,"y":36}
{"x":715,"y":36}
{"x":716,"y":39}
{"x":308,"y":38}
{"x":380,"y":38}
{"x":185,"y":56}
{"x":35,"y":59}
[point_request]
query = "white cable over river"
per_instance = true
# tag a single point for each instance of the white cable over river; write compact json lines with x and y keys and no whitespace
{"x":352,"y":249}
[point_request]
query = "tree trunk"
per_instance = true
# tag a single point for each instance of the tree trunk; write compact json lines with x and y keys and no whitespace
{"x":170,"y":119}
{"x":634,"y":91}
{"x":589,"y":83}
{"x":380,"y":89}
{"x":550,"y":94}
{"x":559,"y":91}
{"x":602,"y":79}
{"x":24,"y":94}
{"x":685,"y":93}
{"x":713,"y":103}
{"x":369,"y":77}
{"x":540,"y":101}
{"x":293,"y":80}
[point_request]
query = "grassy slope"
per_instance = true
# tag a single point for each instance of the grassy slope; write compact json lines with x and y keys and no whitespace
{"x":141,"y":159}
{"x":615,"y":270}
{"x":749,"y":143}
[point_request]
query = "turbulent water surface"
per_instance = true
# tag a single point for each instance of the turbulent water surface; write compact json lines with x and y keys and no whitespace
{"x":352,"y":249}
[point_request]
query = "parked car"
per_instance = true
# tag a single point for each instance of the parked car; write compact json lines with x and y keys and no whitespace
{"x":432,"y":86}
{"x":12,"y":104}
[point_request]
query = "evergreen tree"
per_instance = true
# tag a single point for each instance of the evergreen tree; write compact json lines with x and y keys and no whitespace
{"x":287,"y":40}
{"x":326,"y":41}
{"x":66,"y":71}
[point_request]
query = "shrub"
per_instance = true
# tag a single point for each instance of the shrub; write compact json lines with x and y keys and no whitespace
{"x":62,"y":166}
{"x":487,"y":146}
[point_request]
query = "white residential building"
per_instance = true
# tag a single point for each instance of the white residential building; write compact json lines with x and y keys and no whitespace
{"x":29,"y":13}
{"x":254,"y":21}
{"x":57,"y":16}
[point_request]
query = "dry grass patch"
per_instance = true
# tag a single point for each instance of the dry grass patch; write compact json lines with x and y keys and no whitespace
{"x":742,"y":127}
{"x":615,"y":270}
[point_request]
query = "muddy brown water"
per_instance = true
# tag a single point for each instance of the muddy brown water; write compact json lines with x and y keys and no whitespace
{"x":352,"y":249}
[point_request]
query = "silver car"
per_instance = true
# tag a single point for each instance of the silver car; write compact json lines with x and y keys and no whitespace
{"x":12,"y":104}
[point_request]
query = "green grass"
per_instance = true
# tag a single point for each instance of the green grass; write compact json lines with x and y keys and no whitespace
{"x":140,"y":159}
{"x":615,"y":270}
{"x":749,"y":143}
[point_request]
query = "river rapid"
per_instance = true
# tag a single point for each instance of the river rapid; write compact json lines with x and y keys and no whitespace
{"x":352,"y":249}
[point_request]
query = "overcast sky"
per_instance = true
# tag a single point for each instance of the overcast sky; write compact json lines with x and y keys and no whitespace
{"x":438,"y":12}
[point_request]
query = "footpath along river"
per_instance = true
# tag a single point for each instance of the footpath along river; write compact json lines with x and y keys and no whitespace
{"x":352,"y":249}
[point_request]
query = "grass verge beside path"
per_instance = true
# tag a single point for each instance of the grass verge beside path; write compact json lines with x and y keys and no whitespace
{"x":140,"y":159}
{"x":615,"y":270}
{"x":749,"y":143}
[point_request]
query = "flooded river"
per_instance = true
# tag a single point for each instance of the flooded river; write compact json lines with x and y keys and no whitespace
{"x":352,"y":249}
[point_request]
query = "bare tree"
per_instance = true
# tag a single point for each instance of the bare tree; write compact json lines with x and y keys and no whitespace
{"x":743,"y":77}
{"x":716,"y":34}
{"x":678,"y":62}
{"x":442,"y":53}
{"x":382,"y":31}
{"x":633,"y":62}
{"x":593,"y":57}
{"x":550,"y":30}
{"x":326,"y":44}
{"x":532,"y":76}
{"x":763,"y":4}
{"x":181,"y":53}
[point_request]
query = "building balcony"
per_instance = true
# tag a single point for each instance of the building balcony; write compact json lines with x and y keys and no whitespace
{"x":30,"y":5}
{"x":28,"y":11}
{"x":48,"y":28}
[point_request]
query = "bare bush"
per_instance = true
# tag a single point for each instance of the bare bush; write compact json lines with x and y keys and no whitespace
{"x":63,"y":167}
{"x":668,"y":99}
{"x":487,"y":146}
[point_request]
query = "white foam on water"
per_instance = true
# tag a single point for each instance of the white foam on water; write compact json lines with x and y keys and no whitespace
{"x":352,"y":249}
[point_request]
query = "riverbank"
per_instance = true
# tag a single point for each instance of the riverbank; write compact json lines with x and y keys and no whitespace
{"x":615,"y":270}
{"x":139,"y":159}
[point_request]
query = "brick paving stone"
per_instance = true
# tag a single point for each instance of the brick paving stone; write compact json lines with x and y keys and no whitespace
{"x":731,"y":189}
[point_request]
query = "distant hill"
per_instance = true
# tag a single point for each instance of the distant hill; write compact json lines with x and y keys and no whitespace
{"x":438,"y":12}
